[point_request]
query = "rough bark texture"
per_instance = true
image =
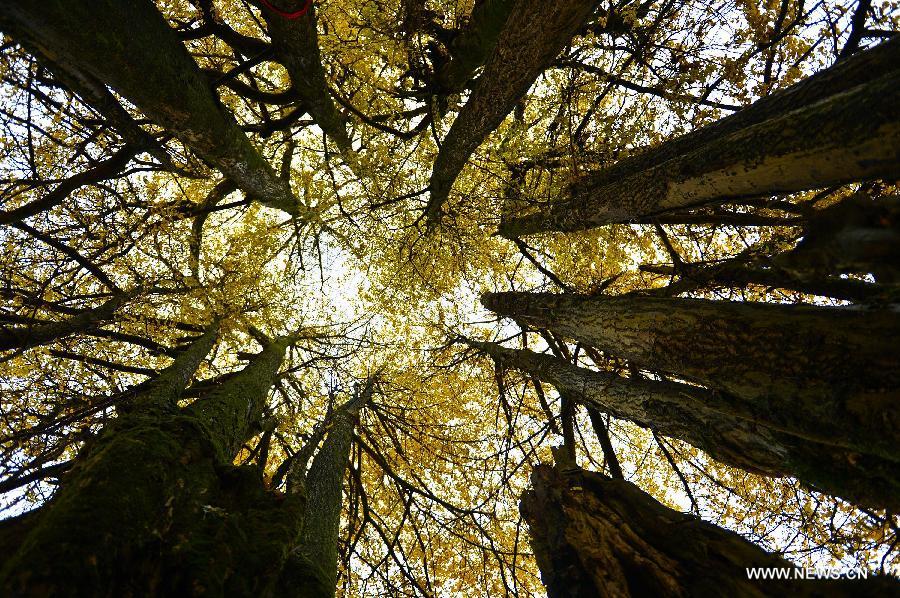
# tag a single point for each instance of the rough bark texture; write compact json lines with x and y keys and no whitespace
{"x":596,"y":536}
{"x":96,"y":95}
{"x":323,"y":487}
{"x":164,"y":391}
{"x":297,"y":44}
{"x":535,"y":32}
{"x":138,"y":54}
{"x":713,"y":423}
{"x":148,"y":508}
{"x":839,"y":126}
{"x":155,"y":506}
{"x":231,"y":413}
{"x":815,"y":372}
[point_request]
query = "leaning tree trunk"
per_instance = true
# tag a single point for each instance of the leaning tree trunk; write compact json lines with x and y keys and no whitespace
{"x":313,"y":563}
{"x":297,"y":44}
{"x":596,"y":536}
{"x":533,"y":34}
{"x":717,"y":424}
{"x":139,"y":55}
{"x":33,"y":333}
{"x":154,"y":504}
{"x":814,"y":372}
{"x":839,"y":126}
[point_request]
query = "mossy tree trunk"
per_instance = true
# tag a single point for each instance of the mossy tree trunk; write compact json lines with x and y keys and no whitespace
{"x":839,"y":126}
{"x":154,"y":504}
{"x":296,"y":42}
{"x":313,"y":563}
{"x":717,"y":424}
{"x":130,"y":47}
{"x":596,"y":536}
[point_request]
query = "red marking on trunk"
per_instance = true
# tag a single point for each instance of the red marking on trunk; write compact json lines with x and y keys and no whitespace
{"x":285,"y":14}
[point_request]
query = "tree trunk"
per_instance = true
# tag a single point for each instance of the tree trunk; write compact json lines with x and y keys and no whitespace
{"x":138,"y":54}
{"x":535,"y":32}
{"x":315,"y":558}
{"x":96,"y":95}
{"x":814,"y":372}
{"x":151,"y":507}
{"x":232,"y":413}
{"x":715,"y":423}
{"x":473,"y":45}
{"x":839,"y":126}
{"x":596,"y":536}
{"x":297,"y":44}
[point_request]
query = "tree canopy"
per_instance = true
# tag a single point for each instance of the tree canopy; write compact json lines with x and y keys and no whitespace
{"x":338,"y":202}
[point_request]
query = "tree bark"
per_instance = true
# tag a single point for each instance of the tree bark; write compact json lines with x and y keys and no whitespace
{"x":473,"y":45}
{"x":150,"y":508}
{"x":815,"y":372}
{"x":535,"y":32}
{"x":840,"y":125}
{"x":232,"y":412}
{"x":139,"y":55}
{"x":717,"y":424}
{"x":95,"y":94}
{"x":596,"y":536}
{"x":296,"y":43}
{"x":27,"y":336}
{"x":315,"y":558}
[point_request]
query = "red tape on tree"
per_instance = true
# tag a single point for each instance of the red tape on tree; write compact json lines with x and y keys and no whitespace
{"x":288,"y":15}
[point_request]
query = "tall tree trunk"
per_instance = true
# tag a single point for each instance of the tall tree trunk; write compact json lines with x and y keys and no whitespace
{"x":232,"y":413}
{"x":296,"y":42}
{"x":138,"y":55}
{"x":151,"y":507}
{"x":596,"y":536}
{"x":96,"y":95}
{"x":716,"y":424}
{"x":839,"y":126}
{"x":314,"y":561}
{"x":814,"y":372}
{"x":535,"y":32}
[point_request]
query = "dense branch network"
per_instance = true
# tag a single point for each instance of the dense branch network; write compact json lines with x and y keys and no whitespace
{"x":197,"y":402}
